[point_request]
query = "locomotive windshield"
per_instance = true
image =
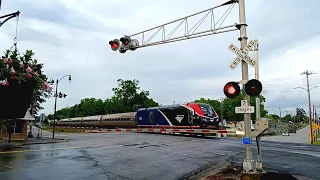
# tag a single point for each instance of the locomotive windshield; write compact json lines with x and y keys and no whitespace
{"x":207,"y":110}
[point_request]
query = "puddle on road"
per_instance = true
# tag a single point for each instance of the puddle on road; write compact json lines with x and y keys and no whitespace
{"x":9,"y":161}
{"x":143,"y":144}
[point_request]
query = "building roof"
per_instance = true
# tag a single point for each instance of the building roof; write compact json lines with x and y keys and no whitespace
{"x":28,"y":116}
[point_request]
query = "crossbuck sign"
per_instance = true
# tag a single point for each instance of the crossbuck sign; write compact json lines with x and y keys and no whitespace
{"x":242,"y":55}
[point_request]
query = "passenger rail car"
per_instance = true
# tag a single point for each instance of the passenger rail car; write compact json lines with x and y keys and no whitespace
{"x":173,"y":116}
{"x":124,"y":120}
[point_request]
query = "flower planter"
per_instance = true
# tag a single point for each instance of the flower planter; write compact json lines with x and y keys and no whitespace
{"x":15,"y":99}
{"x":20,"y":77}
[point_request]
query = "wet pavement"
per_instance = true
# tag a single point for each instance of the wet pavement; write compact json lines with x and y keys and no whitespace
{"x":146,"y":156}
{"x":301,"y":136}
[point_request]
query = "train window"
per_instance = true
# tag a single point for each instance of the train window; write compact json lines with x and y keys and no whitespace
{"x":151,"y":117}
{"x":207,"y":110}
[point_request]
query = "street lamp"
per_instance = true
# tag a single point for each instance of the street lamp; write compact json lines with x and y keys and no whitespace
{"x":55,"y":102}
{"x":309,"y":103}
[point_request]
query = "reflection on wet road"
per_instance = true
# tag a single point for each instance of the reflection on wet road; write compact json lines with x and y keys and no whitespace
{"x":144,"y":156}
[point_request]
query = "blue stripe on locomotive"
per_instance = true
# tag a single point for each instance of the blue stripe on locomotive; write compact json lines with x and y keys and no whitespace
{"x":144,"y":117}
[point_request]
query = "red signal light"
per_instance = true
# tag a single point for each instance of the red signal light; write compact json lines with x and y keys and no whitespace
{"x":231,"y":89}
{"x":115,"y":44}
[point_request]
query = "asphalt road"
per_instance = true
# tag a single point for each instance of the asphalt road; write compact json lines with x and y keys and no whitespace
{"x":301,"y":136}
{"x":146,"y":156}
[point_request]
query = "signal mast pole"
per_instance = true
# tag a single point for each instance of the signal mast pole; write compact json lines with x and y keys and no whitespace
{"x":128,"y":43}
{"x":248,"y":163}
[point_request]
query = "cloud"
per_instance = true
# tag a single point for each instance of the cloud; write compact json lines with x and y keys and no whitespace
{"x":71,"y":37}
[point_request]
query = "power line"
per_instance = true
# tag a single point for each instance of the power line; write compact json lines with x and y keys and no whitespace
{"x":285,"y":78}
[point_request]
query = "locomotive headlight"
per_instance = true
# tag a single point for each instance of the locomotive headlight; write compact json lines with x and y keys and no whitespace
{"x":204,"y":119}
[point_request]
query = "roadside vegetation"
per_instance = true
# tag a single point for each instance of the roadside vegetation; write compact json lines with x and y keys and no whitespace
{"x":61,"y":130}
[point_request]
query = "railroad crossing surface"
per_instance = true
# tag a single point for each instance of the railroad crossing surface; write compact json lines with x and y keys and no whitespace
{"x":146,"y":156}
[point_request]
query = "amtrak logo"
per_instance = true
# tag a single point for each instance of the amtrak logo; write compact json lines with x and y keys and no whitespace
{"x":179,"y":118}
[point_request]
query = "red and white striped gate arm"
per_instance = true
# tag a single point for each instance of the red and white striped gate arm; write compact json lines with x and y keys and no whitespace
{"x":158,"y":130}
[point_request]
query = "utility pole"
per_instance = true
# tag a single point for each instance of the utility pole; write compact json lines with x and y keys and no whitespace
{"x":280,"y":112}
{"x":307,"y":73}
{"x":313,"y":113}
{"x":286,"y":115}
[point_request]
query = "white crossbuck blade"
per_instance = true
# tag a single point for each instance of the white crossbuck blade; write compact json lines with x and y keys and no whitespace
{"x":242,"y":55}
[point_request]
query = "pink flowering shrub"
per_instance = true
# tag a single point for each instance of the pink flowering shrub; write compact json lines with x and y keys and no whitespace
{"x":22,"y":68}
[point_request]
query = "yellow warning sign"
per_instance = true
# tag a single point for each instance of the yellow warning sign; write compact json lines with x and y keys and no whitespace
{"x":315,"y":127}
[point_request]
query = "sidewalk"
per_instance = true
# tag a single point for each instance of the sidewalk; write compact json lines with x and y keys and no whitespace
{"x":5,"y":146}
{"x":46,"y":139}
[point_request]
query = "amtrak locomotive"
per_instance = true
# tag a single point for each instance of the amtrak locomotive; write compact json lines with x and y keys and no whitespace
{"x":172,"y":116}
{"x":186,"y":115}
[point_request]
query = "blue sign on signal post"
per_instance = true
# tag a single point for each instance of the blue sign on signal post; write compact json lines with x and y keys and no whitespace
{"x":246,"y":140}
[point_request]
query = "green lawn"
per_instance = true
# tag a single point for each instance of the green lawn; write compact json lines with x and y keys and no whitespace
{"x":316,"y":142}
{"x":63,"y":130}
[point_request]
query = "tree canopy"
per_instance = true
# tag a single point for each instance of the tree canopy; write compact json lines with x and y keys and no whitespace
{"x":127,"y":97}
{"x":228,"y":105}
{"x":300,"y":116}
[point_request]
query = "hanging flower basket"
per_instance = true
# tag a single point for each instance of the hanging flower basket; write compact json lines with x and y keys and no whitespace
{"x":20,"y":77}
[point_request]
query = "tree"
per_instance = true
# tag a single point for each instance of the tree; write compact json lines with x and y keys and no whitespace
{"x":214,"y":103}
{"x":228,"y":106}
{"x":127,"y":93}
{"x":287,"y":118}
{"x":301,"y":115}
{"x":127,"y":97}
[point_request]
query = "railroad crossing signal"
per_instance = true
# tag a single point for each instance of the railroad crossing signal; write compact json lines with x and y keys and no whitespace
{"x":115,"y":44}
{"x":242,"y":55}
{"x":231,"y":89}
{"x":253,"y":88}
{"x":62,"y":95}
{"x":124,"y":44}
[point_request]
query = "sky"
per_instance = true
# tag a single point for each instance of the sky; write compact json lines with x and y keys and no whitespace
{"x":71,"y":37}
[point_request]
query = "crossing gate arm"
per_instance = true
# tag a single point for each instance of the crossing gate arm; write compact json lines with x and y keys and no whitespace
{"x":263,"y":127}
{"x":161,"y":130}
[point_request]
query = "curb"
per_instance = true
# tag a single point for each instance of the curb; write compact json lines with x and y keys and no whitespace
{"x":50,"y":142}
{"x":209,"y":169}
{"x":5,"y":147}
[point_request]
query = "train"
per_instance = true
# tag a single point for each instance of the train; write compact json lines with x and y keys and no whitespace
{"x":188,"y":115}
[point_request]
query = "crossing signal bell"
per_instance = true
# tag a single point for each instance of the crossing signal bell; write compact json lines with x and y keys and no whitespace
{"x":253,"y":88}
{"x":231,"y":89}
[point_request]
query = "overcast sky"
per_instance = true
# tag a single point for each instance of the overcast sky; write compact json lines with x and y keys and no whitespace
{"x":71,"y":37}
